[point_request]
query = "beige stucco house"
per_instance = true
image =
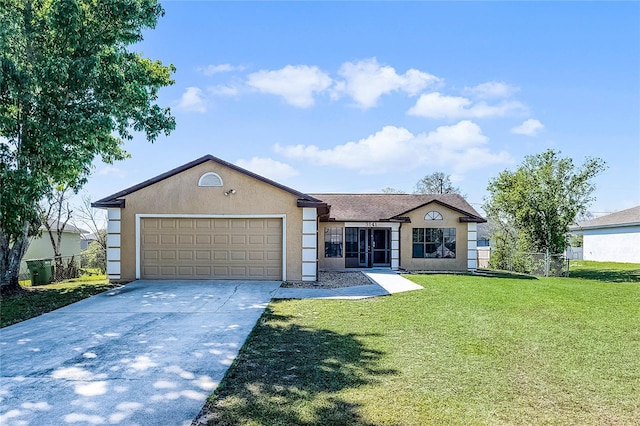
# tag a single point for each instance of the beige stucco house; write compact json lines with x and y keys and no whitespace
{"x":212,"y":219}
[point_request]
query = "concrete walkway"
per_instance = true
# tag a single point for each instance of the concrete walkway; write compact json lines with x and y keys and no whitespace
{"x":383,"y":283}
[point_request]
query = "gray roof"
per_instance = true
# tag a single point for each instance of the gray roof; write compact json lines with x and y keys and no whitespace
{"x":628,"y":217}
{"x":381,"y":207}
{"x":54,"y":224}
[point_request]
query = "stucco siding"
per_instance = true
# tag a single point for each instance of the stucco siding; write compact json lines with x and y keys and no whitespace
{"x":612,"y":244}
{"x":329,"y":263}
{"x":450,"y":219}
{"x":181,"y":195}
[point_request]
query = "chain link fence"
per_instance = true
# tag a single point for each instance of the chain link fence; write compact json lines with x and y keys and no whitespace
{"x":94,"y":259}
{"x":539,"y":264}
{"x":69,"y":267}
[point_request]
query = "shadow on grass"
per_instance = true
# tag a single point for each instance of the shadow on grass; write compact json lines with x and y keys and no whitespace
{"x":290,"y":375}
{"x":504,"y":274}
{"x":607,"y":275}
{"x":38,"y":300}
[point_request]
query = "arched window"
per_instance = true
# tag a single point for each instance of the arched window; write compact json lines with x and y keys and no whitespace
{"x":433,"y":215}
{"x":210,"y":179}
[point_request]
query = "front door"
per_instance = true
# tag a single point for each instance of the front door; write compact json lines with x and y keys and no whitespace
{"x":367,"y":247}
{"x":364,"y":248}
{"x":381,"y":247}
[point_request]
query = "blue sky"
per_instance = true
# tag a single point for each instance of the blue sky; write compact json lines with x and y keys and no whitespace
{"x":357,"y":96}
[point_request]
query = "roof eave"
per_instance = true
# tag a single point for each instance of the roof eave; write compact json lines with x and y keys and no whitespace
{"x":109,"y":203}
{"x":467,"y":214}
{"x":608,"y":226}
{"x":112,"y":198}
{"x":472,"y":219}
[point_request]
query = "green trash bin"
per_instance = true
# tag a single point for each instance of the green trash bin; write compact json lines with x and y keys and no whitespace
{"x":40,"y":271}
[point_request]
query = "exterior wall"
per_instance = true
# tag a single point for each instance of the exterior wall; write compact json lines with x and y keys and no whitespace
{"x":181,"y":195}
{"x":450,"y":219}
{"x":612,"y":244}
{"x":329,"y":263}
{"x":41,"y":248}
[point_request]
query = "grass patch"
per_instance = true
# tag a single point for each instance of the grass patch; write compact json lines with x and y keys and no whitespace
{"x":41,"y":299}
{"x":616,"y":272}
{"x":464,"y":351}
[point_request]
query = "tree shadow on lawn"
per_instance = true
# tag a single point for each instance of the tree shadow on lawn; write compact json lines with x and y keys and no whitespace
{"x":490,"y":273}
{"x":289,"y":375}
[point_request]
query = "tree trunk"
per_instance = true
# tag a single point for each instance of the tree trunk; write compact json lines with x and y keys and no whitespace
{"x":55,"y":213}
{"x":10,"y":257}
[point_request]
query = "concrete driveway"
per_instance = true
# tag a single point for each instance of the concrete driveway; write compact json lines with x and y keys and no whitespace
{"x":148,"y":353}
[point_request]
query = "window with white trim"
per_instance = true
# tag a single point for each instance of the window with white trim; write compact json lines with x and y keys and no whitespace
{"x":210,"y":179}
{"x":434,"y":243}
{"x":332,"y":242}
{"x":433,"y":215}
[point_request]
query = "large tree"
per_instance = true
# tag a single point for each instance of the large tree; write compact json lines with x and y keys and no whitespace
{"x":436,"y":183}
{"x":534,"y":205}
{"x":70,"y":91}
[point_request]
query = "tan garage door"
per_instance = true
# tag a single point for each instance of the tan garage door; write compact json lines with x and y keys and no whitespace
{"x":180,"y":248}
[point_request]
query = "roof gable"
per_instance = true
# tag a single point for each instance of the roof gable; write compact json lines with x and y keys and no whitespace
{"x":391,"y":207}
{"x":116,"y":200}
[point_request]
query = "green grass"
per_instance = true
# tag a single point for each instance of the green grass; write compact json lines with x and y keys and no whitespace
{"x":605,"y":271}
{"x":464,"y":351}
{"x":38,"y":300}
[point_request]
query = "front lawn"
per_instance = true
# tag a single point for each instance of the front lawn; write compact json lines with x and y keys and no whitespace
{"x":465,"y":350}
{"x":41,"y":299}
{"x":605,"y":271}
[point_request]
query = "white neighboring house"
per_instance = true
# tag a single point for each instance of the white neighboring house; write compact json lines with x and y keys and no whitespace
{"x":612,"y":238}
{"x":41,"y":248}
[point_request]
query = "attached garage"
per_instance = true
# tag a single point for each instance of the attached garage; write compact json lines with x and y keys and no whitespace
{"x":210,"y":219}
{"x":211,"y":248}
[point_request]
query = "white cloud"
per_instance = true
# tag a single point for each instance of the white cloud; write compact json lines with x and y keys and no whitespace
{"x":530,"y":127}
{"x":112,"y":171}
{"x":224,"y":90}
{"x":192,"y":100}
{"x":366,"y":81}
{"x":459,"y":147}
{"x":492,"y":89}
{"x":216,"y":69}
{"x":296,"y":84}
{"x":268,"y":167}
{"x":436,"y":105}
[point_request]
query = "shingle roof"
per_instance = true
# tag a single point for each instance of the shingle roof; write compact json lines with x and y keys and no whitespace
{"x":376,"y":207}
{"x":54,"y":224}
{"x":628,"y":217}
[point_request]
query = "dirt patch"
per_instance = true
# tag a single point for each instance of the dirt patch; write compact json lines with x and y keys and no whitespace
{"x":332,"y":279}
